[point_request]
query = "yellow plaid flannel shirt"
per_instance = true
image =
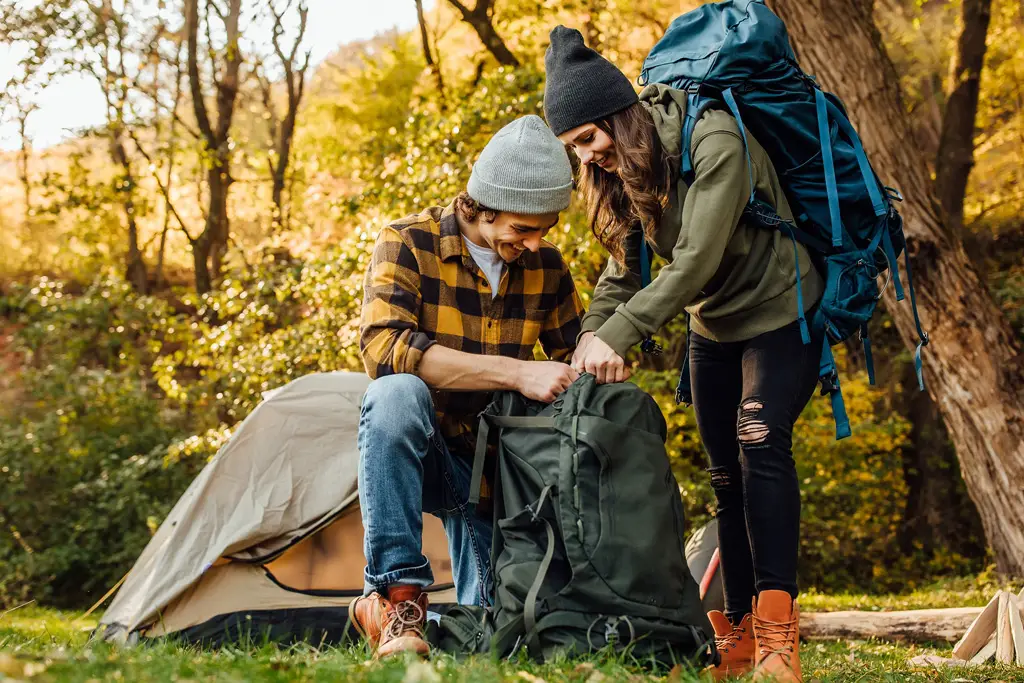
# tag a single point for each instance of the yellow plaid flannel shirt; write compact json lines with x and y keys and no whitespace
{"x":423,"y":288}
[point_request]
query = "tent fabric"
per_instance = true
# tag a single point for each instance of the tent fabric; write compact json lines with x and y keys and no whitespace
{"x":324,"y":570}
{"x":289,"y":469}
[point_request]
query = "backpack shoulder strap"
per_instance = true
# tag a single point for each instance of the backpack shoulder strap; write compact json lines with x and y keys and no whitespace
{"x":696,"y":106}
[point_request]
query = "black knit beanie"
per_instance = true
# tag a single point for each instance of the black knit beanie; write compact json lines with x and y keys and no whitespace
{"x":582,"y":86}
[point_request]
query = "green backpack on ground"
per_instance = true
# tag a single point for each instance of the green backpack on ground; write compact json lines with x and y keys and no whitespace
{"x":588,"y":548}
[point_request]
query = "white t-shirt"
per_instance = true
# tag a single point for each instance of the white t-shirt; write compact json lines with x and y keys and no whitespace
{"x":489,"y":262}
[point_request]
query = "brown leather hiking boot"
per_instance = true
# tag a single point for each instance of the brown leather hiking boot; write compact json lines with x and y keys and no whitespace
{"x":394,"y":624}
{"x":777,"y":637}
{"x":367,"y":615}
{"x":735,"y":646}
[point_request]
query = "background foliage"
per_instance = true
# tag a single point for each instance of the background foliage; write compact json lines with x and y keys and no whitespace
{"x":113,"y":399}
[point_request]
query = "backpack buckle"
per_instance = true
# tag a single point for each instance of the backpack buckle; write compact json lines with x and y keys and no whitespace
{"x":650,"y":346}
{"x":893,"y":193}
{"x":829,"y":384}
{"x":611,"y":630}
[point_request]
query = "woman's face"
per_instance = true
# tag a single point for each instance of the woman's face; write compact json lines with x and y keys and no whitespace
{"x":592,"y":145}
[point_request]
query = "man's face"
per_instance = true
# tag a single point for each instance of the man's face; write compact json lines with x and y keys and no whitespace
{"x":513,"y":233}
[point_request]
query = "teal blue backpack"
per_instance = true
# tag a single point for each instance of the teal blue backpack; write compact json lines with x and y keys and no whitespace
{"x":735,"y":55}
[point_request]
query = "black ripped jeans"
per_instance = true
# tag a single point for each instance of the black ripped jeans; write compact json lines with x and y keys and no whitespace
{"x":746,"y":396}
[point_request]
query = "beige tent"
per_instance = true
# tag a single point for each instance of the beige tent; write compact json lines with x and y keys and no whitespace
{"x":269,"y":535}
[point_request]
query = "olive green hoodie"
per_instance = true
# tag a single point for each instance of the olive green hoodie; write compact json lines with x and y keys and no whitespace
{"x":736,"y":280}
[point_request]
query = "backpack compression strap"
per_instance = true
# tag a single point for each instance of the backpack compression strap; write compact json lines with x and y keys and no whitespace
{"x":484,"y":435}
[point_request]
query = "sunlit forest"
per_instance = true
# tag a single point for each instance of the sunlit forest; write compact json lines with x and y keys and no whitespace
{"x":207,"y":242}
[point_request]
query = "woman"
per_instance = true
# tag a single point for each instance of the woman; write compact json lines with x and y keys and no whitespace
{"x":751,"y":373}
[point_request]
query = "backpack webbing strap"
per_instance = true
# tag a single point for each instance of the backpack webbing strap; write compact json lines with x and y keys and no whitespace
{"x":830,"y":170}
{"x":684,"y":388}
{"x":805,"y":335}
{"x":694,"y":638}
{"x":730,"y":101}
{"x":505,"y":641}
{"x":830,"y":381}
{"x":530,"y":605}
{"x":879,"y":205}
{"x":694,"y":110}
{"x":483,"y":436}
{"x":868,"y":359}
{"x":894,"y":263}
{"x":921,"y":334}
{"x":645,"y":261}
{"x":648,"y":345}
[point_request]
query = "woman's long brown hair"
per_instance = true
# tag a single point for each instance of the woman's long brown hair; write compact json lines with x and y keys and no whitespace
{"x":639,"y":191}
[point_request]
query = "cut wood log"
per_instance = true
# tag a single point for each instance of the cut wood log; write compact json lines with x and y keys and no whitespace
{"x":1017,"y":627}
{"x":1004,"y":636}
{"x":937,"y":661}
{"x":986,"y":653}
{"x":919,"y":626}
{"x":979,"y":632}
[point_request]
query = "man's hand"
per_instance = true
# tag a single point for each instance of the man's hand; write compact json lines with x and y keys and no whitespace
{"x":594,"y":356}
{"x":544,"y":380}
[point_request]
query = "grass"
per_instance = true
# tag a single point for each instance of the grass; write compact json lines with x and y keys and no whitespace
{"x":973,"y":591}
{"x":42,"y":645}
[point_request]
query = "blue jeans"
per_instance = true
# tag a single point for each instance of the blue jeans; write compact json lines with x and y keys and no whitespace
{"x":406,"y":469}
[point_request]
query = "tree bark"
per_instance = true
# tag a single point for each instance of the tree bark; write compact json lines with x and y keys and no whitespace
{"x":974,"y":365}
{"x":956,"y":141}
{"x":939,"y":516}
{"x":480,"y":19}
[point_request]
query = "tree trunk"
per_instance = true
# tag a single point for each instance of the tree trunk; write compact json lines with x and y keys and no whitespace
{"x":956,"y":142}
{"x":938,"y":515}
{"x":277,"y":194}
{"x":428,"y":56}
{"x":201,"y":260}
{"x":211,"y":245}
{"x":135,"y":269}
{"x":217,"y":217}
{"x":135,"y":265}
{"x":23,"y":157}
{"x":975,"y":369}
{"x":480,"y":19}
{"x":284,"y":155}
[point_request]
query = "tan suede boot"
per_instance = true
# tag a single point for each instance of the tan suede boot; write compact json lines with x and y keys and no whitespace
{"x":735,"y":646}
{"x":395,"y":624}
{"x":777,"y":638}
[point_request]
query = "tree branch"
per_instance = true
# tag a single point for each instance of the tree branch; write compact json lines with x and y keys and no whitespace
{"x":462,"y":8}
{"x":164,"y":189}
{"x":195,"y":84}
{"x":227,"y":89}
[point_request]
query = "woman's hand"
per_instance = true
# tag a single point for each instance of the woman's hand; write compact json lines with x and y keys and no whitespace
{"x":594,"y":356}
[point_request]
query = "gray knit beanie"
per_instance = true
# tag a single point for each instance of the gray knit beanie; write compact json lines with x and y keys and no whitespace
{"x":581,"y":86}
{"x":523,"y":169}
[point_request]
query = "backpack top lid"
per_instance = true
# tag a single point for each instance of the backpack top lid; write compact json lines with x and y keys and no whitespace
{"x":724,"y":42}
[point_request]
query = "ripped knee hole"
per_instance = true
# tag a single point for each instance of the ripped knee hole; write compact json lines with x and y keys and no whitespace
{"x":751,"y":430}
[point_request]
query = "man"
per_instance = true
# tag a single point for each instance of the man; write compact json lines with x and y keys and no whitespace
{"x":455,"y":300}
